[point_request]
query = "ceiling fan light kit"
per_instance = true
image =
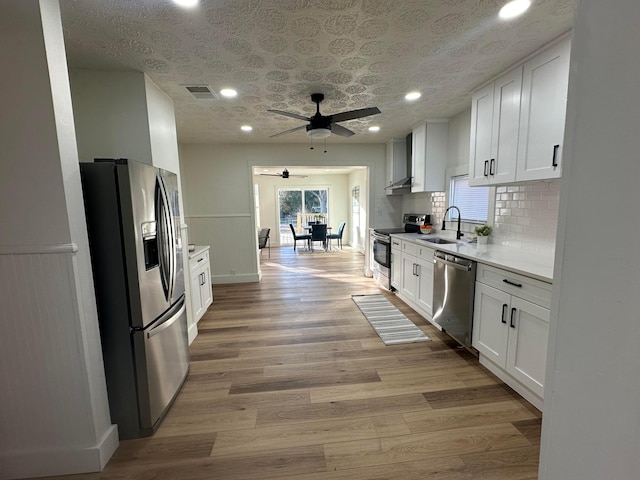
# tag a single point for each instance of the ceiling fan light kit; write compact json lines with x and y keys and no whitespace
{"x":322,"y":126}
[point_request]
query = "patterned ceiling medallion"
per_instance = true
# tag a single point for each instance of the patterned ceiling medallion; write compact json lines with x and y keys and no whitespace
{"x":373,"y":49}
{"x":342,"y":46}
{"x":319,"y":62}
{"x":156,"y":65}
{"x":305,"y":27}
{"x":339,"y":77}
{"x":247,"y":75}
{"x":285,"y":62}
{"x":353,"y":63}
{"x":306,"y":46}
{"x":309,"y":76}
{"x":271,"y":20}
{"x":217,"y":66}
{"x":136,"y":46}
{"x":462,"y":50}
{"x":273,"y":44}
{"x":448,"y":24}
{"x":340,"y":24}
{"x":237,"y":45}
{"x":369,"y":79}
{"x":252,"y":61}
{"x":336,"y":4}
{"x":276,"y":87}
{"x":355,"y":89}
{"x":382,"y":91}
{"x":400,"y":49}
{"x":379,"y":7}
{"x":275,"y":97}
{"x":413,"y":20}
{"x":277,"y":76}
{"x":373,"y":28}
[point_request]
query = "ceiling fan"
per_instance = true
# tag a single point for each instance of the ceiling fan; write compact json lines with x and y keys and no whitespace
{"x":321,"y":126}
{"x":285,"y":174}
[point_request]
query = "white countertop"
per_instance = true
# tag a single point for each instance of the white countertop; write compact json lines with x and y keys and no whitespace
{"x":198,"y":250}
{"x":530,"y":263}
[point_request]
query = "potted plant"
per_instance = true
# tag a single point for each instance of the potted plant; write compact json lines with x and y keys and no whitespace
{"x":319,"y":218}
{"x":483,"y":232}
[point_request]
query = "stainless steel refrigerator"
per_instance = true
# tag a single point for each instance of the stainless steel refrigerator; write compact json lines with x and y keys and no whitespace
{"x":133,"y":221}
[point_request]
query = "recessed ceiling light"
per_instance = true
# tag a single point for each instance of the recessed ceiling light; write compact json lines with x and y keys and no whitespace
{"x":412,"y":96}
{"x":514,"y":8}
{"x":228,"y":93}
{"x":246,"y":128}
{"x":375,"y":128}
{"x":186,"y":3}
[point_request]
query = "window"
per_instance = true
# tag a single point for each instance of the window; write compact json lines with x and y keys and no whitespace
{"x":473,"y":202}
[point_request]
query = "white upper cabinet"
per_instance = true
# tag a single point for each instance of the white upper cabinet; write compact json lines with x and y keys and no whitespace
{"x":542,"y":115}
{"x":495,"y":113}
{"x":517,"y":121}
{"x":430,"y":142}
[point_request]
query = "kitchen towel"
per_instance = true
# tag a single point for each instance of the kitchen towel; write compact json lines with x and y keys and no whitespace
{"x":390,"y":324}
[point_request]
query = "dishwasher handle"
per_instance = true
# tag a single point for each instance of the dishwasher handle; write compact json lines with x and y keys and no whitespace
{"x":457,"y":263}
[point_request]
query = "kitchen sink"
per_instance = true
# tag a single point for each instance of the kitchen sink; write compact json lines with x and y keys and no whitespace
{"x":438,"y":240}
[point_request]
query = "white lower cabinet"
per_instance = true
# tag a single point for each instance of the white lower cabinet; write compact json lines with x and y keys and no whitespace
{"x":416,"y":275}
{"x":200,"y":276}
{"x":396,"y":263}
{"x":511,"y":328}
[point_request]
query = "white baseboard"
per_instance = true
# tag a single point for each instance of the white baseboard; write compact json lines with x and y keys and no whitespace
{"x":60,"y":461}
{"x":223,"y":279}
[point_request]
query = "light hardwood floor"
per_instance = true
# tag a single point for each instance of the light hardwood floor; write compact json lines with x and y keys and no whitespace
{"x":289,"y":381}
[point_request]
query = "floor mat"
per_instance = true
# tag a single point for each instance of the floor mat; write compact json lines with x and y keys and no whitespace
{"x":390,"y":324}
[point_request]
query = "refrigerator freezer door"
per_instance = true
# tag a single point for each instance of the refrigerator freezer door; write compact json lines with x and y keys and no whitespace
{"x":167,"y":362}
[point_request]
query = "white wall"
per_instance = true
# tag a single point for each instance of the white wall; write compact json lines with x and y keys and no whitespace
{"x":218,"y":195}
{"x":355,"y":233}
{"x":54,"y":413}
{"x":591,"y":415}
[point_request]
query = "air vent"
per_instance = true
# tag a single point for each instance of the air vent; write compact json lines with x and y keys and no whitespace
{"x":202,"y":92}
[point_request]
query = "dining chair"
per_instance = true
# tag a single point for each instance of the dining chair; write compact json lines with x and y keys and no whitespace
{"x":296,"y":237}
{"x":337,"y":236}
{"x":319,"y":234}
{"x":263,"y":240}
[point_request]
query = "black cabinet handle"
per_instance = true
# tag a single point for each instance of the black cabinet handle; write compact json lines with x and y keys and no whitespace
{"x":504,"y":313}
{"x":519,"y":285}
{"x":493,"y":162}
{"x":513,"y":312}
{"x":554,"y":161}
{"x":486,"y":164}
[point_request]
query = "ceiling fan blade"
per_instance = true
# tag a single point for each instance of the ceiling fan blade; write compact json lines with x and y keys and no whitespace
{"x":298,"y":176}
{"x":271,"y":174}
{"x":353,"y":114}
{"x":288,"y":131}
{"x":289,"y":114}
{"x":342,"y":131}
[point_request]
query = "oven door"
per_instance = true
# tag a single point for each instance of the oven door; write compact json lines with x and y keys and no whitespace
{"x":382,"y":250}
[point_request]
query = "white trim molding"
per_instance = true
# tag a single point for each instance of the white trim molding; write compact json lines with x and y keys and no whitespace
{"x":55,"y":248}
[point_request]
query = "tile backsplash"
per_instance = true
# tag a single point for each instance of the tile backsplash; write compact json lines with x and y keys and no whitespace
{"x":527,"y":215}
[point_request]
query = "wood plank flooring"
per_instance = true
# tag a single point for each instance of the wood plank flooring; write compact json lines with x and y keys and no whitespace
{"x":289,"y":381}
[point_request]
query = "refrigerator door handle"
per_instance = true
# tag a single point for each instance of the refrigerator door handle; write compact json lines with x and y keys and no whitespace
{"x":163,"y":326}
{"x":166,"y":238}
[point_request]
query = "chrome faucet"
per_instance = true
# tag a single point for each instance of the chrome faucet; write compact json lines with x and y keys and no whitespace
{"x":458,"y":233}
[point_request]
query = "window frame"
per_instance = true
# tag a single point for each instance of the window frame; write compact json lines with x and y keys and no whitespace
{"x":459,"y":171}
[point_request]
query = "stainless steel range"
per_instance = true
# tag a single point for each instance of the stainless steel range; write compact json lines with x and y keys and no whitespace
{"x":381,"y":245}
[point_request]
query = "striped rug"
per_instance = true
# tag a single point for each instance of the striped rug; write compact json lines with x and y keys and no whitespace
{"x":389,"y":323}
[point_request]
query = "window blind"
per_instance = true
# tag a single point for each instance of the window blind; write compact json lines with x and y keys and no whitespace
{"x":473,"y":202}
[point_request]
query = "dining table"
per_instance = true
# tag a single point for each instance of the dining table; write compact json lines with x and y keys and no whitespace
{"x":308,"y":228}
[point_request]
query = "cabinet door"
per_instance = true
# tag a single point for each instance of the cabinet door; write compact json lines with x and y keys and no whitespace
{"x":481,"y":125}
{"x":506,"y":120}
{"x":528,"y":338}
{"x":196,"y":294}
{"x":424,"y":290}
{"x":409,"y":279}
{"x":543,"y":111}
{"x":205,"y":288}
{"x":418,"y":156}
{"x":396,"y":267}
{"x":490,"y":323}
{"x":435,"y":158}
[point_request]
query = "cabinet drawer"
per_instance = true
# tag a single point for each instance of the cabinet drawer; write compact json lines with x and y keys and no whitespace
{"x":409,"y":248}
{"x":199,"y":260}
{"x":425,"y":254}
{"x":396,"y":244}
{"x":535,"y":291}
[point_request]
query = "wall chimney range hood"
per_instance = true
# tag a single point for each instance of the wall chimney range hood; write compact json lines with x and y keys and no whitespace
{"x":402,"y":183}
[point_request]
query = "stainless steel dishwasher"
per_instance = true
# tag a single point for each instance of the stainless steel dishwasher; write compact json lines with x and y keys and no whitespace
{"x":454,"y":281}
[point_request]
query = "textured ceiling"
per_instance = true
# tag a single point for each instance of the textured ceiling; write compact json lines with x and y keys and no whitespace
{"x":359,"y":53}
